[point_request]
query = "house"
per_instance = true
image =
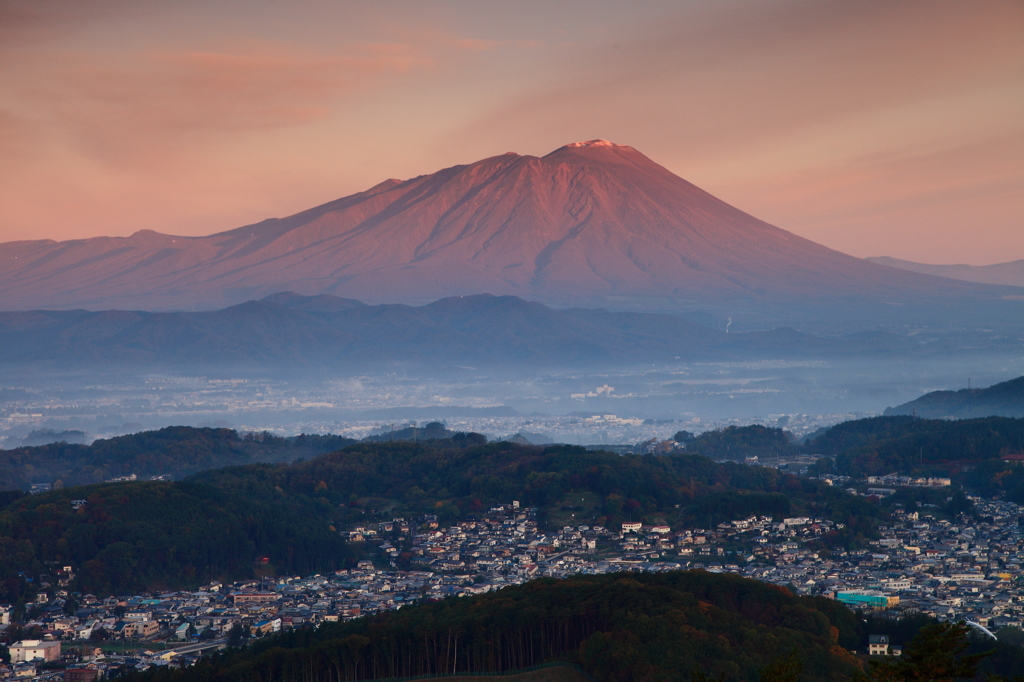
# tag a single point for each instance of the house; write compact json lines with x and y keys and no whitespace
{"x":255,"y":597}
{"x":264,"y":627}
{"x":878,"y":645}
{"x":87,"y":674}
{"x":633,"y":527}
{"x":23,"y":671}
{"x":141,"y":629}
{"x":34,"y":650}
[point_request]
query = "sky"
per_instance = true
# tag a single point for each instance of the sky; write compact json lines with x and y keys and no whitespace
{"x":875,"y":127}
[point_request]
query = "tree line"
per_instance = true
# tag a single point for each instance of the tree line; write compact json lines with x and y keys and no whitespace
{"x":676,"y":626}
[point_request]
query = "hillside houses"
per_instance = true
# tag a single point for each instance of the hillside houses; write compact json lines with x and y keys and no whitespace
{"x":951,"y":570}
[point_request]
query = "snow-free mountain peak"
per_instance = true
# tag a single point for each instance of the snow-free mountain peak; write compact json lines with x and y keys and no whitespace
{"x":592,"y":223}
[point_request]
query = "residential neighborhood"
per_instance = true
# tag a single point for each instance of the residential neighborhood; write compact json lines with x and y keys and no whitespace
{"x":951,"y":570}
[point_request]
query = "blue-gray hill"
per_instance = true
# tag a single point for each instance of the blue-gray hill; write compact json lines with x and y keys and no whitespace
{"x":1000,"y":400}
{"x":288,"y":331}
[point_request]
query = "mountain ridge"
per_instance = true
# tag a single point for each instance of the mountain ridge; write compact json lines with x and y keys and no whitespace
{"x":1005,"y":399}
{"x":1006,"y":274}
{"x":590,"y":225}
{"x":287,"y":330}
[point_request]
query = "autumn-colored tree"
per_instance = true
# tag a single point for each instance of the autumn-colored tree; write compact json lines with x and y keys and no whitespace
{"x":783,"y":668}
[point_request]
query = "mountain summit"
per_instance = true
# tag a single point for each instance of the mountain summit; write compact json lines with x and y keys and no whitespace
{"x":591,"y":223}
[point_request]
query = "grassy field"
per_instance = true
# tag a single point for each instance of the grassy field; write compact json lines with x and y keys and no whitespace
{"x":589,"y":502}
{"x":121,"y":646}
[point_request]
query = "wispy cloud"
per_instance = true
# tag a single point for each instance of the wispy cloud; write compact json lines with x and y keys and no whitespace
{"x":24,"y":22}
{"x":489,"y":45}
{"x":112,"y":104}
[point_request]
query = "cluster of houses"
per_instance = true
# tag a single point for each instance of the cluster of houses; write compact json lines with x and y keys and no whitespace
{"x":964,"y":570}
{"x":951,"y":570}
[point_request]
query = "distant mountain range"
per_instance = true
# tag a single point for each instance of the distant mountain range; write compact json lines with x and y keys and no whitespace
{"x":1008,"y":274}
{"x":590,"y":224}
{"x":1002,"y":400}
{"x":289,"y":331}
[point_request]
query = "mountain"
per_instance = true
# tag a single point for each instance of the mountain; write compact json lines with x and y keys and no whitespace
{"x":591,"y":223}
{"x":292,"y":331}
{"x":1008,"y":274}
{"x":1002,"y":400}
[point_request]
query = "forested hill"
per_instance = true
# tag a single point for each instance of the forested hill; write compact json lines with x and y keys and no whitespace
{"x":969,"y":451}
{"x":740,"y":442}
{"x":675,"y":626}
{"x":1003,"y":400}
{"x":124,"y":538}
{"x":213,"y":525}
{"x":175,"y":451}
{"x":600,"y":487}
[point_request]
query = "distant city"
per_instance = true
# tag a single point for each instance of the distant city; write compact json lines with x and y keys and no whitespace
{"x":577,"y":409}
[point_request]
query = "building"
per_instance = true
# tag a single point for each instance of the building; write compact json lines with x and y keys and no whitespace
{"x":264,"y":627}
{"x":633,"y":527}
{"x":141,"y":628}
{"x":256,"y":597}
{"x":81,"y":675}
{"x":878,"y":645}
{"x":867,"y":598}
{"x":881,"y":492}
{"x":34,"y":650}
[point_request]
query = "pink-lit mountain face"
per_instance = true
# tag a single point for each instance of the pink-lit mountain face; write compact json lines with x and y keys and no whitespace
{"x":589,"y":224}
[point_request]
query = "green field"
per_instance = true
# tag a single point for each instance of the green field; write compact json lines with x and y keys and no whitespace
{"x":590,"y":503}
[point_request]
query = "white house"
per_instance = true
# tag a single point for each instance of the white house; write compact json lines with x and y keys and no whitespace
{"x":34,"y":650}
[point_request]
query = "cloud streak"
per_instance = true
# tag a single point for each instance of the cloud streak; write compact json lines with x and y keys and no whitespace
{"x":112,"y":104}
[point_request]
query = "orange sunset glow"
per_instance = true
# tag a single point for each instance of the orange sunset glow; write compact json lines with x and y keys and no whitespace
{"x":874,"y":128}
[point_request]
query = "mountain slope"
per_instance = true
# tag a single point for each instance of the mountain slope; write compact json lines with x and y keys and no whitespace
{"x":590,"y":223}
{"x":1008,"y":274}
{"x":1005,"y":399}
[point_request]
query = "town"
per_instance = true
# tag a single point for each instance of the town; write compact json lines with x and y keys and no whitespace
{"x":952,"y":570}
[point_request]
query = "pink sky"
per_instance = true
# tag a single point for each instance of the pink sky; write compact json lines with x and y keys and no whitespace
{"x":873,"y":127}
